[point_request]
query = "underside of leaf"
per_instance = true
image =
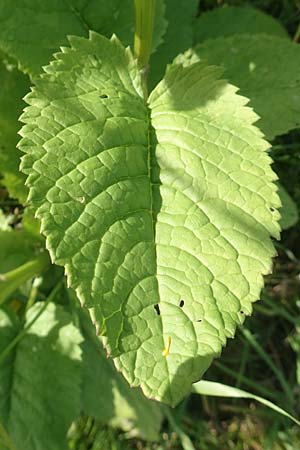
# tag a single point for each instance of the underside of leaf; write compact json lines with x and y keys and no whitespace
{"x":161,"y":212}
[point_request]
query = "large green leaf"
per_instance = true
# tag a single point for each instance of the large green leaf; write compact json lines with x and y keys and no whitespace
{"x":229,"y":20}
{"x":265,"y":68}
{"x":14,"y":85}
{"x":40,"y":385}
{"x":32,"y":30}
{"x":108,"y":397}
{"x":180,"y":15}
{"x":161,"y":213}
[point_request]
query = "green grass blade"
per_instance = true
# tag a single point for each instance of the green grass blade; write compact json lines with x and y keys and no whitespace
{"x":214,"y":389}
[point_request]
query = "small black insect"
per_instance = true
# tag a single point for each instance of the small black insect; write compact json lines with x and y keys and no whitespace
{"x":181,"y":303}
{"x":104,"y":96}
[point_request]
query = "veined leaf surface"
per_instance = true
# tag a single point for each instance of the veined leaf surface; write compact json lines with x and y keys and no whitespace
{"x":161,"y":212}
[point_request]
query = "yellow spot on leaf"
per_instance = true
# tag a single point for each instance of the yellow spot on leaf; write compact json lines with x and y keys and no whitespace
{"x":166,"y":350}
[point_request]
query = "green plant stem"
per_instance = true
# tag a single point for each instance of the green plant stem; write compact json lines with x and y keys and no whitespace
{"x":10,"y":281}
{"x":144,"y":21}
{"x":23,"y":332}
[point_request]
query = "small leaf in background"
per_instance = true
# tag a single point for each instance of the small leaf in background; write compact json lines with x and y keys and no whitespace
{"x":34,"y":30}
{"x":289,"y":211}
{"x":180,"y":15}
{"x":228,"y":20}
{"x":40,"y":383}
{"x":108,"y":397}
{"x":265,"y":68}
{"x":164,"y":227}
{"x":14,"y":85}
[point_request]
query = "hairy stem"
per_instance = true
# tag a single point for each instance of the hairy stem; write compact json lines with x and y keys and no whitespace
{"x":144,"y":21}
